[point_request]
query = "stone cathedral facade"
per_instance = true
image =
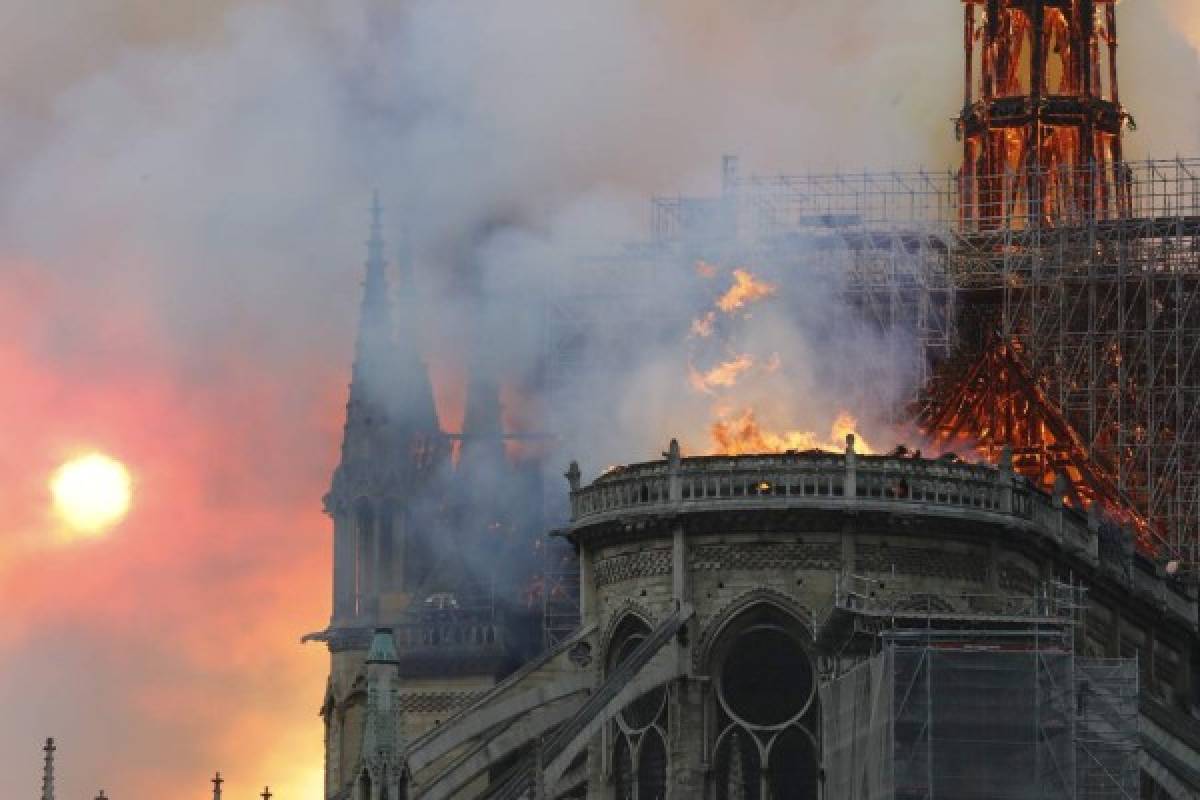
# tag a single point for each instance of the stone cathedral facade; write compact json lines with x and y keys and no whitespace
{"x":802,"y":625}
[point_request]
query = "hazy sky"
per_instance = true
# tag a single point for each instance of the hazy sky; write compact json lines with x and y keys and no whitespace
{"x":183,"y":193}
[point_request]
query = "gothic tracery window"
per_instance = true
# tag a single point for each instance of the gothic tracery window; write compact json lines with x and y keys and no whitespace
{"x":639,"y":733}
{"x":765,"y":710}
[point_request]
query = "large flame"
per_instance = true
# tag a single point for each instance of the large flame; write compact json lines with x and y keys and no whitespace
{"x":741,"y":432}
{"x":746,"y":289}
{"x":738,"y":421}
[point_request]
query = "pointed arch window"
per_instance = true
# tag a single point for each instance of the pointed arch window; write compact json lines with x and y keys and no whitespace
{"x":639,"y":732}
{"x":652,"y":766}
{"x":765,"y":709}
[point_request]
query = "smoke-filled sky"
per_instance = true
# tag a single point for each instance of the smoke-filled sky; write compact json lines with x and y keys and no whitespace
{"x":183,"y":195}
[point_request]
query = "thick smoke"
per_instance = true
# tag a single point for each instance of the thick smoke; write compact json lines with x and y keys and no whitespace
{"x":199,"y":173}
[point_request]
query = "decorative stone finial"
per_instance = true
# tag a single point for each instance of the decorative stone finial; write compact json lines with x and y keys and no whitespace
{"x":48,"y":770}
{"x":849,"y":443}
{"x":266,"y":793}
{"x":1006,"y":456}
{"x":572,"y":475}
{"x":672,"y":455}
{"x":216,"y":782}
{"x":102,"y":795}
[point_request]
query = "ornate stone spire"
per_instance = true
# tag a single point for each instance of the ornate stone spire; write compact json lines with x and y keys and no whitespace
{"x":48,"y":770}
{"x":391,"y":443}
{"x":373,"y":348}
{"x":391,"y":398}
{"x":382,"y":733}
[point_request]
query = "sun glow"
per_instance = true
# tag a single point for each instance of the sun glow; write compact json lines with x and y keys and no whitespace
{"x":92,"y":493}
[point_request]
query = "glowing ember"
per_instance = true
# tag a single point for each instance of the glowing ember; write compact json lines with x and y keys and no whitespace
{"x":702,"y":327}
{"x":746,"y":289}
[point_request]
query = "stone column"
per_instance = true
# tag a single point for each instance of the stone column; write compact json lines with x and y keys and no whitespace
{"x":685,"y":779}
{"x":681,"y":584}
{"x":1004,"y":478}
{"x":850,"y":484}
{"x":333,"y":750}
{"x":587,"y":588}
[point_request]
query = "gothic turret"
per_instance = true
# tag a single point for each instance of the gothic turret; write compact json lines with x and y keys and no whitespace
{"x":391,"y":446}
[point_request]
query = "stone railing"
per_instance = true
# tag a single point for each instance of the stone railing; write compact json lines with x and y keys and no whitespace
{"x":851,"y":481}
{"x":827,"y":480}
{"x":456,"y":634}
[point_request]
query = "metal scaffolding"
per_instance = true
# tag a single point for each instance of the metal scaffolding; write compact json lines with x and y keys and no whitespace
{"x":989,"y":700}
{"x":1103,"y":306}
{"x":1103,"y":302}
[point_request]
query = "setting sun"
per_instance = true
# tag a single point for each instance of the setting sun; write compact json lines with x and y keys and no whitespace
{"x":92,"y":492}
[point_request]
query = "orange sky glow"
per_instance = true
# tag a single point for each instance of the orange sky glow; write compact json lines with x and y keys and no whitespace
{"x":175,"y":637}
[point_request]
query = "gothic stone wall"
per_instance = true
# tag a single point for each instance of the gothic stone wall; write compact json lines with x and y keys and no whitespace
{"x":729,"y":573}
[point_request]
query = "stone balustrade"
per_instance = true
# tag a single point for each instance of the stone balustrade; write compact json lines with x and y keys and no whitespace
{"x":849,"y":481}
{"x":417,"y":636}
{"x":816,"y":479}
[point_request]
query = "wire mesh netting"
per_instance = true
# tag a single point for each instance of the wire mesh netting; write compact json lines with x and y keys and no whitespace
{"x":1107,"y":727}
{"x":856,"y":713}
{"x":932,"y":722}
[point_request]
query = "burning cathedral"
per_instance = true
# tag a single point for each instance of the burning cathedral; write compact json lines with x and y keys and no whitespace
{"x":1009,"y":611}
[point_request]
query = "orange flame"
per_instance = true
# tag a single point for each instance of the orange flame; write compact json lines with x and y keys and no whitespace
{"x":742,"y":434}
{"x":723,"y":375}
{"x":746,"y":289}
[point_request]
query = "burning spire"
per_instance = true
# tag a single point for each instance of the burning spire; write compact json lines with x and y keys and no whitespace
{"x":1042,"y":119}
{"x":995,"y":408}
